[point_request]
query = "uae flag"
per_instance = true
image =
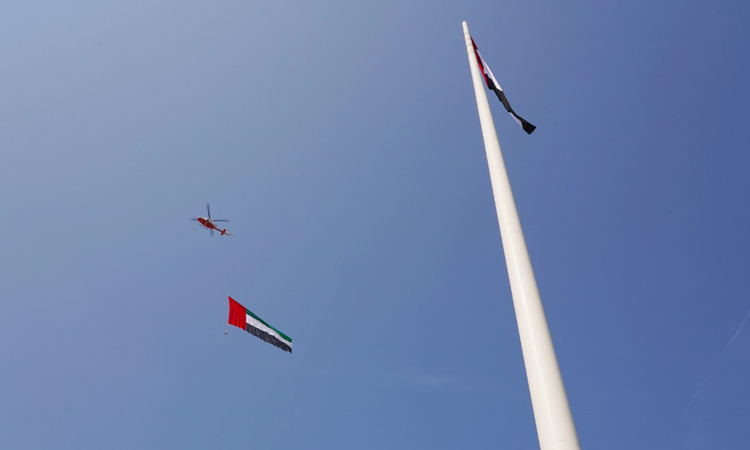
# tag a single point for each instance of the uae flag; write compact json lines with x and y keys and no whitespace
{"x":241,"y":317}
{"x":492,"y":83}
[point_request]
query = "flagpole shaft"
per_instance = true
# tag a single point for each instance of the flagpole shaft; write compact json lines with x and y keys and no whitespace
{"x":554,"y":421}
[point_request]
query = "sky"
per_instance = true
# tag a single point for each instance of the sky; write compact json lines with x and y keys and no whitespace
{"x":342,"y":141}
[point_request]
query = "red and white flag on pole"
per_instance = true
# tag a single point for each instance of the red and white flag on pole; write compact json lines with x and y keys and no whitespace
{"x":492,"y":83}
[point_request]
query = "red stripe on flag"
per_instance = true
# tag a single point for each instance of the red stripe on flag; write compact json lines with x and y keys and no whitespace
{"x":481,"y":64}
{"x":237,"y":315}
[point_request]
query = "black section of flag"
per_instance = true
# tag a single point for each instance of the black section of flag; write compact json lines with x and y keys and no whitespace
{"x":267,"y":337}
{"x":494,"y":86}
{"x":525,"y":124}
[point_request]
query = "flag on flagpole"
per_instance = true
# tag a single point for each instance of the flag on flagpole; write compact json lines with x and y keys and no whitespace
{"x":241,"y":317}
{"x":494,"y":86}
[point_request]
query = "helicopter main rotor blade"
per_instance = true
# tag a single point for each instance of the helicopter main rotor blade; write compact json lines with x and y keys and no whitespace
{"x":208,"y":208}
{"x":193,"y":219}
{"x":220,"y":220}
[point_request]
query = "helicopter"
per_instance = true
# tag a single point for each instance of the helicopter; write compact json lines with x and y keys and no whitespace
{"x":208,"y":222}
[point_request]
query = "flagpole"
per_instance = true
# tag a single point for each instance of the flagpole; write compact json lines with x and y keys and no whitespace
{"x":554,"y":421}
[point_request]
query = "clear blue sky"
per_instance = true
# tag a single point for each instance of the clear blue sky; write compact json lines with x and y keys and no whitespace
{"x":342,"y":140}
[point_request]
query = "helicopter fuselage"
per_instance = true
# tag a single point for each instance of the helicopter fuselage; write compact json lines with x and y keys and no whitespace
{"x":209,"y":224}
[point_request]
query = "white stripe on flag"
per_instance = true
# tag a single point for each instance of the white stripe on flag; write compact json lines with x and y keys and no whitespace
{"x":252,"y":321}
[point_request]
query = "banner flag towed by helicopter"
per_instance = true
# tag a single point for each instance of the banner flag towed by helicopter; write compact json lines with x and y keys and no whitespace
{"x":241,"y":317}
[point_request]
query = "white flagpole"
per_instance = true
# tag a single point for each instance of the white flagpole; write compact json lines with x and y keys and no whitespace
{"x":554,"y":422}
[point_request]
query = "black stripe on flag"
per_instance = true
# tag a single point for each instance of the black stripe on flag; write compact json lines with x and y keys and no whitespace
{"x":494,"y":86}
{"x":267,"y":337}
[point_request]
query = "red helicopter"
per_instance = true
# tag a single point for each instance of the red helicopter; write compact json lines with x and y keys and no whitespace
{"x":209,"y":223}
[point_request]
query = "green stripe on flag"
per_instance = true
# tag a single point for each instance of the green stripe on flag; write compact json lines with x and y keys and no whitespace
{"x":283,"y":336}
